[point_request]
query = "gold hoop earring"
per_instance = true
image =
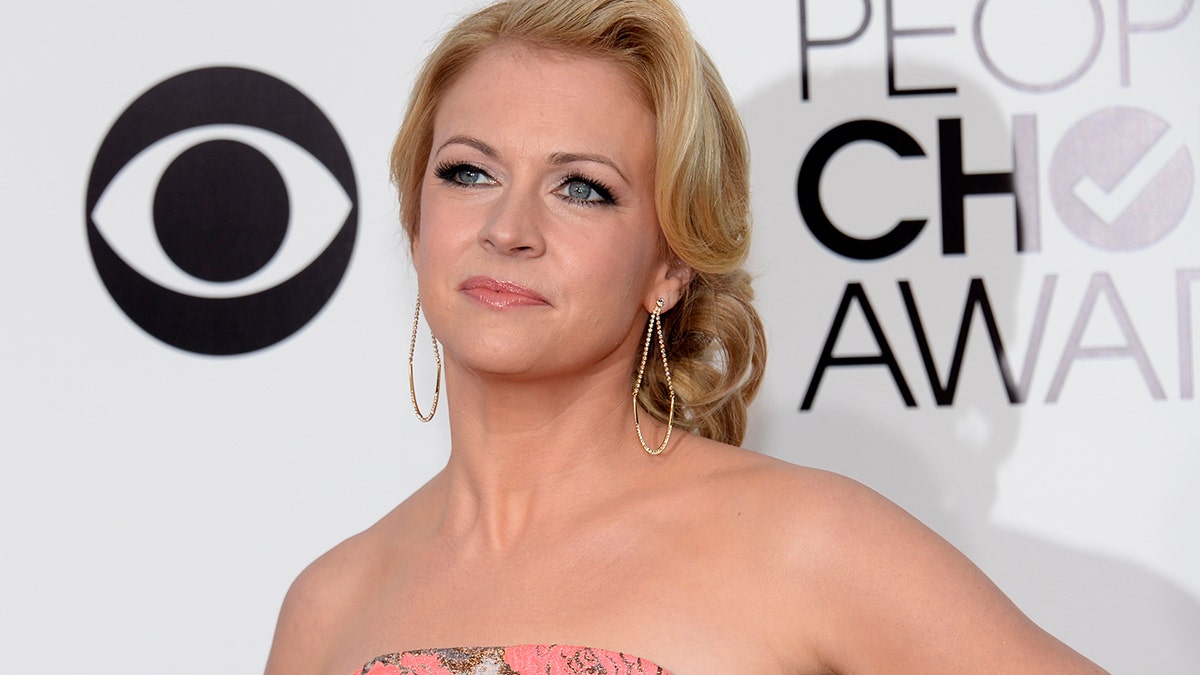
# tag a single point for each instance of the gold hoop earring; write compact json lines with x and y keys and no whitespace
{"x":655,"y":323}
{"x":412,"y":348}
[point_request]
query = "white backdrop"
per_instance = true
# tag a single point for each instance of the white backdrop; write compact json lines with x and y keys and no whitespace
{"x":157,"y":502}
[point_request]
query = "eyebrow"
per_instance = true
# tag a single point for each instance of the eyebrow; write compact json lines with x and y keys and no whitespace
{"x":561,"y":158}
{"x":556,"y":159}
{"x":471,"y":142}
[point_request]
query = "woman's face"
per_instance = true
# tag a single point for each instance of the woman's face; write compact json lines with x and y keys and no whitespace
{"x":538,"y":247}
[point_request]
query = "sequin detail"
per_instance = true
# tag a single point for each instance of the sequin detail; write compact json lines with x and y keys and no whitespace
{"x":516,"y":660}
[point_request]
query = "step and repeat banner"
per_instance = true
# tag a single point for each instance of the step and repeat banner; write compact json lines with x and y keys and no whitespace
{"x":978,"y":259}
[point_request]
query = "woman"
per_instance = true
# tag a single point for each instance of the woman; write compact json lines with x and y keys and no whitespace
{"x":573,"y":181}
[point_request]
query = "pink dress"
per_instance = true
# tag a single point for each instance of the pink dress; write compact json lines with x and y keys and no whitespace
{"x":517,"y":660}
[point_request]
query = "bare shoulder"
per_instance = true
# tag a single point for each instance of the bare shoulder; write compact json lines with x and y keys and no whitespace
{"x":799,"y":516}
{"x":325,"y":597}
{"x":862,"y":586}
{"x":315,"y":605}
{"x":791,"y":497}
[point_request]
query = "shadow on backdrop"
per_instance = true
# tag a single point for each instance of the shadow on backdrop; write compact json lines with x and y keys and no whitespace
{"x":939,"y":463}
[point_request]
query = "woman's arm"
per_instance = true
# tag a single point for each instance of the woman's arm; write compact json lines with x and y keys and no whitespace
{"x":891,"y":596}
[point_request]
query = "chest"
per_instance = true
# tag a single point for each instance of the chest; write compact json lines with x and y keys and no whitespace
{"x":666,"y":601}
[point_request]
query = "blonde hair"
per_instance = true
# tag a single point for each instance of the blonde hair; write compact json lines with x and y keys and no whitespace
{"x":714,"y":337}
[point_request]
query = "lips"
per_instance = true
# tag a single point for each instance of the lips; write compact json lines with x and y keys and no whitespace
{"x":501,"y":294}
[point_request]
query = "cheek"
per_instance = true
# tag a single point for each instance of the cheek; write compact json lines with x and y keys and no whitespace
{"x":437,"y":238}
{"x":622,"y":272}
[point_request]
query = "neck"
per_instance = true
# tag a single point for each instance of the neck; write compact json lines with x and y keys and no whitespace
{"x":528,"y":453}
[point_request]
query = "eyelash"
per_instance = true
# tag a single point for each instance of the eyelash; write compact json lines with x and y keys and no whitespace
{"x":601,"y":189}
{"x":448,"y":171}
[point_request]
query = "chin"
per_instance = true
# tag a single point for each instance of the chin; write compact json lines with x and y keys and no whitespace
{"x":499,"y":357}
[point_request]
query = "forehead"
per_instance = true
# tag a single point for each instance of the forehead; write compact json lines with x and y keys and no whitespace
{"x":546,"y":94}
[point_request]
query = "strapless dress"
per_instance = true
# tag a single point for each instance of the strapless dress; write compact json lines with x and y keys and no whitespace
{"x":516,"y":660}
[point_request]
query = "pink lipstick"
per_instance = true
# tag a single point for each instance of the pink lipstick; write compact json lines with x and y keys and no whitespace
{"x":500,"y":294}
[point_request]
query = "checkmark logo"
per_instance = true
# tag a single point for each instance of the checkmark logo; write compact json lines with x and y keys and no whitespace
{"x":1110,"y":202}
{"x":1121,"y":180}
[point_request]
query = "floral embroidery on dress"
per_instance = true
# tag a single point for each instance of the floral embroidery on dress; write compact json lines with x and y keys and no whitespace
{"x":517,"y":660}
{"x":407,"y":663}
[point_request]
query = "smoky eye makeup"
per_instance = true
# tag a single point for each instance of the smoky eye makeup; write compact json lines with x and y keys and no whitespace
{"x":586,"y":191}
{"x":575,"y":187}
{"x":462,"y":174}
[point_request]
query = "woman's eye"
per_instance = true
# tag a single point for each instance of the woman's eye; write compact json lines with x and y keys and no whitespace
{"x":468,"y":176}
{"x":464,"y":174}
{"x":578,"y":190}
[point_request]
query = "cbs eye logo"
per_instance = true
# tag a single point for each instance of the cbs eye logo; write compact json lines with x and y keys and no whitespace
{"x":221,"y":211}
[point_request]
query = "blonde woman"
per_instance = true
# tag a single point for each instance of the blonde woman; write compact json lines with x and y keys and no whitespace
{"x":573,"y":180}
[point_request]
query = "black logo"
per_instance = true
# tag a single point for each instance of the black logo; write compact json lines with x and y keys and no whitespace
{"x":203,"y":254}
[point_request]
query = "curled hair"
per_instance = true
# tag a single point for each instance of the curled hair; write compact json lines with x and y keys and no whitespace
{"x":702,"y":196}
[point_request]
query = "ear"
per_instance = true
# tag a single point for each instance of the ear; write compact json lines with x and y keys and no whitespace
{"x":670,"y":283}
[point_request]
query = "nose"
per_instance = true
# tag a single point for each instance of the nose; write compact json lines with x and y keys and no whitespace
{"x":515,"y":226}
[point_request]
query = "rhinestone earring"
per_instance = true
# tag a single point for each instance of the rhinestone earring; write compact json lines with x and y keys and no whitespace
{"x":655,"y":324}
{"x":412,"y":348}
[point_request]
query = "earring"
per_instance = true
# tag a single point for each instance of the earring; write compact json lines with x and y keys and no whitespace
{"x":412,"y":348}
{"x":655,"y":323}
